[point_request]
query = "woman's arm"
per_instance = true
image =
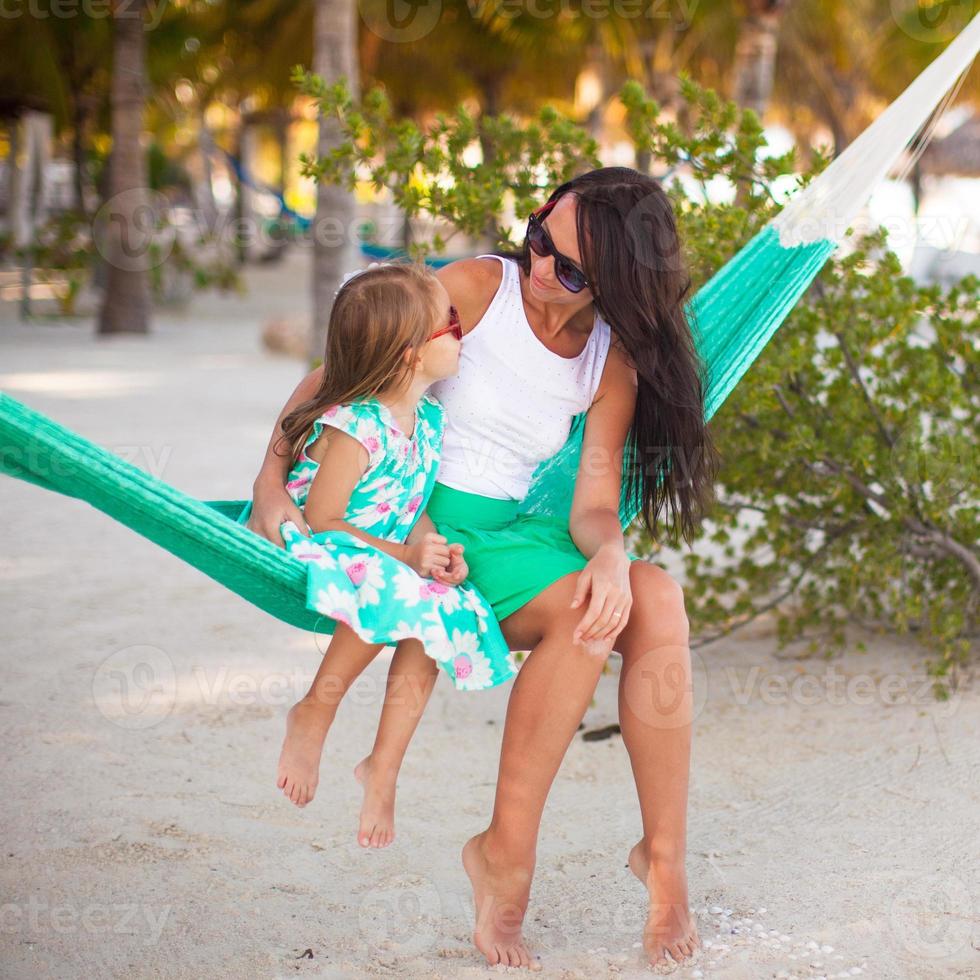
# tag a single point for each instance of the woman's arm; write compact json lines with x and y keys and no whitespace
{"x":594,"y":520}
{"x":271,"y":504}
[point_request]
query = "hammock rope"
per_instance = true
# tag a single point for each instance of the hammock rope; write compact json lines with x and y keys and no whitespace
{"x":733,"y":316}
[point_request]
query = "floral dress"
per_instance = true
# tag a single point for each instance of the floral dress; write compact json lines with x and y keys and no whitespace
{"x":379,"y":597}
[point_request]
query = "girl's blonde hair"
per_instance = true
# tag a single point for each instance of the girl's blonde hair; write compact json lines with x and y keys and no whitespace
{"x":376,"y":315}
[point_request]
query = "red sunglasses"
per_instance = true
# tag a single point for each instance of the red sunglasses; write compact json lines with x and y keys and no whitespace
{"x":455,"y":327}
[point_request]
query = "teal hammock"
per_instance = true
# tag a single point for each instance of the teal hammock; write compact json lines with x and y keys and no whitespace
{"x":736,"y":313}
{"x":739,"y":309}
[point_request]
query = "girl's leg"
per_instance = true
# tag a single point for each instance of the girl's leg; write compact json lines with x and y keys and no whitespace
{"x":411,"y":679}
{"x":309,"y":720}
{"x":547,"y":702}
{"x":655,"y":715}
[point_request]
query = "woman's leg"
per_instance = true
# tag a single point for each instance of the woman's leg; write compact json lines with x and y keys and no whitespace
{"x":561,"y":676}
{"x":309,"y":720}
{"x":655,"y":708}
{"x":411,"y":678}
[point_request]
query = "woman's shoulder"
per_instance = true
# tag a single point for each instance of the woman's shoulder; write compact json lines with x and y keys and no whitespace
{"x":472,"y":284}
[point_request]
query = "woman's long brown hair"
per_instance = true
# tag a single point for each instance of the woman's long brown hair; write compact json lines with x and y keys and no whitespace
{"x":375,"y":316}
{"x":631,"y":250}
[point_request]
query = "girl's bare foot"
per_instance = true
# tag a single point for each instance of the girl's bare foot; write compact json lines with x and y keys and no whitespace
{"x":377,"y":822}
{"x":670,"y":927}
{"x":500,"y":895}
{"x":307,"y":724}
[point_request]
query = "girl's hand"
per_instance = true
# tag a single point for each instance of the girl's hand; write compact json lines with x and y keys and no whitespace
{"x":456,"y":572}
{"x":427,"y":554}
{"x":271,"y":507}
{"x":607,"y":575}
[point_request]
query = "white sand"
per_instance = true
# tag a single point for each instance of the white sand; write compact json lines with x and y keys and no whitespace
{"x":143,"y":834}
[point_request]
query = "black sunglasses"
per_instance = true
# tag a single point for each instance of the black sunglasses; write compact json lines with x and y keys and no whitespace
{"x":566,"y":271}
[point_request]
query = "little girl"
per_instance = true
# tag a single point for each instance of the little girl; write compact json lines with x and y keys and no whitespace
{"x":365,"y":452}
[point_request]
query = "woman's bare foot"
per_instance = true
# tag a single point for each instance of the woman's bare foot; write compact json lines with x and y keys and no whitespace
{"x":307,"y":724}
{"x":377,"y":822}
{"x":500,"y":895}
{"x":670,"y":927}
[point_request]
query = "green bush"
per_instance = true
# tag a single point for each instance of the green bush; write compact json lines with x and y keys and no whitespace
{"x":848,"y":491}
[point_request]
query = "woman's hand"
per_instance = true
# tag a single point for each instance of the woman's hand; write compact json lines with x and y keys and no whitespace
{"x":427,"y":555}
{"x":271,"y":506}
{"x":607,"y":576}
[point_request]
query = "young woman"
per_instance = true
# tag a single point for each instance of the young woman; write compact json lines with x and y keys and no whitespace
{"x":588,"y":315}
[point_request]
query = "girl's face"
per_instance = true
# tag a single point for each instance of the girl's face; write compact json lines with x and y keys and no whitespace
{"x":440,"y":356}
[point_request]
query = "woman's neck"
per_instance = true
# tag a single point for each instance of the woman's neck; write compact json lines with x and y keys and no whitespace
{"x":555,"y":320}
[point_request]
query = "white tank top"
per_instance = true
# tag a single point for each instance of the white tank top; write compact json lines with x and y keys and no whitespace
{"x":510,"y":405}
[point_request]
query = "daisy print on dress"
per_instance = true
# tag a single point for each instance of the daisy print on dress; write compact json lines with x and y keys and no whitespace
{"x":366,"y":573}
{"x":382,"y":599}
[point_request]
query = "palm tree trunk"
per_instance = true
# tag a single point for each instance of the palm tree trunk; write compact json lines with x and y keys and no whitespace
{"x":334,"y":57}
{"x":126,"y":230}
{"x":755,"y":54}
{"x":755,"y":63}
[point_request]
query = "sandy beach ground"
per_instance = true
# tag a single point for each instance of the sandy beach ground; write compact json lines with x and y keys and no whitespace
{"x":834,"y":814}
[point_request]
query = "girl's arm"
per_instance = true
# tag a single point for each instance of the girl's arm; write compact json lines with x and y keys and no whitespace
{"x":594,"y":520}
{"x":271,"y":503}
{"x":343,"y":462}
{"x":456,"y":571}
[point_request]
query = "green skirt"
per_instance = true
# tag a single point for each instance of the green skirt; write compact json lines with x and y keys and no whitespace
{"x":512,"y":557}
